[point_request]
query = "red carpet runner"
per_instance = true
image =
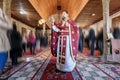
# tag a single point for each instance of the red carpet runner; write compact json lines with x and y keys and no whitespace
{"x":87,"y":52}
{"x":50,"y":74}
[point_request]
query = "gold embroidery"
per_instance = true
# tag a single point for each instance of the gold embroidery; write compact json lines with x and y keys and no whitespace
{"x":62,"y":56}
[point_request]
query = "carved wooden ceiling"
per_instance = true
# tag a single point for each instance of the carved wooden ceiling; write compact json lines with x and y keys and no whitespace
{"x":45,"y":8}
{"x":48,"y":7}
{"x":92,"y":12}
{"x":23,"y":11}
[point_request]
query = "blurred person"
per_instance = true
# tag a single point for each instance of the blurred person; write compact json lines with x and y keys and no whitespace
{"x":116,"y":32}
{"x":16,"y":45}
{"x":37,"y":40}
{"x":100,"y":41}
{"x":87,"y":41}
{"x":32,"y":43}
{"x":80,"y":46}
{"x":92,"y":40}
{"x":5,"y":25}
{"x":24,"y":42}
{"x":45,"y":40}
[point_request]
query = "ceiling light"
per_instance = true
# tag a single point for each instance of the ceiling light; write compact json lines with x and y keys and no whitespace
{"x":22,"y":12}
{"x":41,"y":21}
{"x":93,"y":14}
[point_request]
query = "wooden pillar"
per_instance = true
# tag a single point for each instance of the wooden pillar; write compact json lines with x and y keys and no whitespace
{"x":106,"y":26}
{"x":44,"y":29}
{"x":7,"y":7}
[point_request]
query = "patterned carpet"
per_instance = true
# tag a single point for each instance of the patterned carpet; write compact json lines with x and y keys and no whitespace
{"x":12,"y":71}
{"x":92,"y":69}
{"x":28,"y":71}
{"x":113,"y":70}
{"x":42,"y":67}
{"x":51,"y":74}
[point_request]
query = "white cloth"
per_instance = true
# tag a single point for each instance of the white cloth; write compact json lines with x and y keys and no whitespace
{"x":38,"y":45}
{"x":69,"y":63}
{"x":5,"y":25}
{"x":24,"y":40}
{"x":55,"y":28}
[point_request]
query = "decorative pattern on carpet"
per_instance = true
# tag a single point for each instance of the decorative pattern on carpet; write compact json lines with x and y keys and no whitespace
{"x":43,"y":67}
{"x":90,"y":72}
{"x":112,"y":69}
{"x":10,"y":70}
{"x":51,"y":73}
{"x":27,"y":72}
{"x":48,"y":72}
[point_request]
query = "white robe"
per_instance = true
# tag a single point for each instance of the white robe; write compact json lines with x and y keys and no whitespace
{"x":69,"y":62}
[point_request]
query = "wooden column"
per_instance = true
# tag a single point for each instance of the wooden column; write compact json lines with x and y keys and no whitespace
{"x":7,"y":7}
{"x":106,"y":27}
{"x":44,"y":29}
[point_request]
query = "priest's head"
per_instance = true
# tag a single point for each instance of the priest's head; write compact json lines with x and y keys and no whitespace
{"x":65,"y":15}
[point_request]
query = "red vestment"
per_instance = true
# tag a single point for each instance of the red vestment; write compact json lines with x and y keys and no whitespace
{"x":74,"y":34}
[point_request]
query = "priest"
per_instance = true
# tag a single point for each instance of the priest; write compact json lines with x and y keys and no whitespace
{"x":64,"y":43}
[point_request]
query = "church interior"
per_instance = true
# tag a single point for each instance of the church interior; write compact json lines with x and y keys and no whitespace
{"x":60,"y":40}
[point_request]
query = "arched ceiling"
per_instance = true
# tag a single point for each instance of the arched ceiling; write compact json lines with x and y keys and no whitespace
{"x":46,"y":8}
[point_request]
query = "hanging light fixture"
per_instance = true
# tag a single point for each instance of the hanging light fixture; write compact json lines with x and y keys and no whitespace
{"x":41,"y":21}
{"x":59,"y":7}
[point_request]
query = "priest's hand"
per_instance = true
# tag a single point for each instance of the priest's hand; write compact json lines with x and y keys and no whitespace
{"x":67,"y":24}
{"x":55,"y":55}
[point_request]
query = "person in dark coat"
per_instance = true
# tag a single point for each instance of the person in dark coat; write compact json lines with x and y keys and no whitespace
{"x":45,"y":40}
{"x":116,"y":33}
{"x":80,"y":46}
{"x":87,"y":41}
{"x":42,"y":40}
{"x":92,"y":40}
{"x":16,"y":45}
{"x":100,"y":41}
